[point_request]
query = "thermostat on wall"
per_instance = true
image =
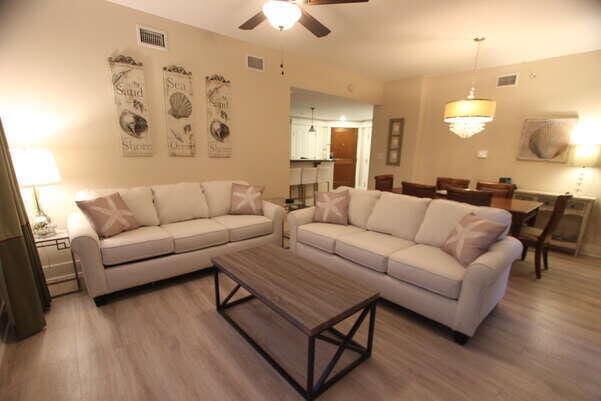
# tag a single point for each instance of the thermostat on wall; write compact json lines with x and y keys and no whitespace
{"x":482,"y":154}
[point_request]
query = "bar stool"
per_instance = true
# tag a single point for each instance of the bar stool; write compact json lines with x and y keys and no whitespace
{"x":308,"y":177}
{"x":295,"y":183}
{"x":324,"y":175}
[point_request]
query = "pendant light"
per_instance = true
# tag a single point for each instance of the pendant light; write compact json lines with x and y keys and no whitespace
{"x":312,"y":128}
{"x":468,"y":117}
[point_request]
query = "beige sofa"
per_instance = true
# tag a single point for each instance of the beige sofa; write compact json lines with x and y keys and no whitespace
{"x":183,"y":226}
{"x":393,"y":244}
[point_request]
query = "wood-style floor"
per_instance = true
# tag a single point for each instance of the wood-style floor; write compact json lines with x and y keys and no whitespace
{"x":166,"y":342}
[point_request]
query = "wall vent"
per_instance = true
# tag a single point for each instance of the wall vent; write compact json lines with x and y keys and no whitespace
{"x":507,"y":80}
{"x":254,"y":63}
{"x":150,"y":37}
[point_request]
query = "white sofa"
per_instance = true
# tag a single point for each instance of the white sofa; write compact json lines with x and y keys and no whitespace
{"x":393,"y":245}
{"x":183,"y":227}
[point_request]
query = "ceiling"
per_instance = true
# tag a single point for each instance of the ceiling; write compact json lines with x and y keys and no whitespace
{"x":392,"y":39}
{"x":327,"y":107}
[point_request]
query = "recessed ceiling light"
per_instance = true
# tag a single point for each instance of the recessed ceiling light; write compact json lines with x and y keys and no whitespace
{"x":342,"y":118}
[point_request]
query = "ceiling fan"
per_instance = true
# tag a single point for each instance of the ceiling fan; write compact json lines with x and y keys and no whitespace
{"x":283,"y":14}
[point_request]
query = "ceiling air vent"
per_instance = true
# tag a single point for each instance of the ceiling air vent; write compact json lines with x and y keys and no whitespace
{"x":507,"y":80}
{"x":254,"y":63}
{"x":152,"y":38}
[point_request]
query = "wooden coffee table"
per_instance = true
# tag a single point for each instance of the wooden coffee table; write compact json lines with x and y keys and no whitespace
{"x":307,"y":296}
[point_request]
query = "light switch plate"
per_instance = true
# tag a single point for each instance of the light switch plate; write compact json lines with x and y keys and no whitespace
{"x":482,"y":154}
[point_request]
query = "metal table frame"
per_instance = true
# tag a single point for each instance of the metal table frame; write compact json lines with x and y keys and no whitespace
{"x":313,"y":388}
{"x":61,"y":242}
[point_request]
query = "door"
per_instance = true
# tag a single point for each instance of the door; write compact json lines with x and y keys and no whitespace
{"x":343,"y":145}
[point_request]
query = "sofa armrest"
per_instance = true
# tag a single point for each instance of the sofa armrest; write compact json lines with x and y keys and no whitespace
{"x":485,"y":283}
{"x":85,"y":244}
{"x":276,"y":214}
{"x":295,"y":220}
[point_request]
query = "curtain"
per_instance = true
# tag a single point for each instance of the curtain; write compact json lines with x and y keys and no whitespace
{"x":23,"y":291}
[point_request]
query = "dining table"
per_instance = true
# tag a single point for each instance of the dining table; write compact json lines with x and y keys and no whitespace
{"x":523,"y":212}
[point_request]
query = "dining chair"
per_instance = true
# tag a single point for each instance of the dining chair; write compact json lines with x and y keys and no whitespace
{"x":308,"y":177}
{"x":384,"y":182}
{"x":498,"y":189}
{"x":419,"y":190}
{"x":471,"y":196}
{"x":294,"y":183}
{"x":447,"y":182}
{"x":324,"y":176}
{"x":539,"y":238}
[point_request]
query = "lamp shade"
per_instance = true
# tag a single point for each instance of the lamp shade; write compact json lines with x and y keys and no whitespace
{"x":281,"y":14}
{"x":586,"y":155}
{"x":480,"y":108}
{"x":35,"y":166}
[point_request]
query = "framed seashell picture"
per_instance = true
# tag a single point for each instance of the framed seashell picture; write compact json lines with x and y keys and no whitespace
{"x":395,"y":141}
{"x":127,"y":77}
{"x":177,"y":91}
{"x":546,"y":139}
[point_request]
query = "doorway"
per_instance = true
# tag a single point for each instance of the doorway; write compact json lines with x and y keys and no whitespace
{"x":343,"y":146}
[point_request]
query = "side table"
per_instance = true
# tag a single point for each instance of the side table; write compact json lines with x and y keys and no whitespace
{"x":60,"y":241}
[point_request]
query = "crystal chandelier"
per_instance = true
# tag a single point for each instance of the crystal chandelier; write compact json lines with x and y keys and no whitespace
{"x":468,"y":117}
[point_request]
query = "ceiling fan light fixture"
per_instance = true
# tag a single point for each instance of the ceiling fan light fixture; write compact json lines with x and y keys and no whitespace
{"x":282,"y":14}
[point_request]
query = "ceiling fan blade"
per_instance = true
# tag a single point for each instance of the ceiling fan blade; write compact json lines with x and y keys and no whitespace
{"x":324,"y":2}
{"x":253,"y":21}
{"x":317,"y":28}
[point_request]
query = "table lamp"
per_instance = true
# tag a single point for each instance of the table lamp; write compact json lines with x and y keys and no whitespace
{"x":585,"y":155}
{"x":36,"y":167}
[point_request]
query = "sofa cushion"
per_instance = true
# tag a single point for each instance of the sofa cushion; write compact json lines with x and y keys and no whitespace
{"x":428,"y":267}
{"x":138,"y":244}
{"x":219,"y":196}
{"x":180,"y":202}
{"x":196,"y":234}
{"x":398,"y":215}
{"x":138,"y":199}
{"x":442,"y":216}
{"x":361,"y":204}
{"x":370,"y":249}
{"x":439,"y":221}
{"x":243,"y":227}
{"x":324,"y":235}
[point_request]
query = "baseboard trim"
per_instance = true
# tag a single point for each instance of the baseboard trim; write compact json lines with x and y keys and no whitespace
{"x":591,"y":250}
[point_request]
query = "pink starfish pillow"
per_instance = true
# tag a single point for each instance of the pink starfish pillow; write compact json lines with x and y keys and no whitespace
{"x":247,"y":199}
{"x":472,"y":237}
{"x":108,"y":215}
{"x":332,"y":207}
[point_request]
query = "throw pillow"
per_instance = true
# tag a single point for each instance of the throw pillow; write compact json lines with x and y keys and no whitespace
{"x":332,"y":207}
{"x":247,"y":199}
{"x":108,"y":215}
{"x":471,"y":237}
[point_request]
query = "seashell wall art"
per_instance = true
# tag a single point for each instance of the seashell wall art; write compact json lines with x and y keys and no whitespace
{"x":546,"y":139}
{"x":127,"y":77}
{"x":218,"y":116}
{"x":177,"y":91}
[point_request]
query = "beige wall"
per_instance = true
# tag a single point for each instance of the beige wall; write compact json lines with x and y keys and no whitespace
{"x":56,"y":93}
{"x":567,"y":85}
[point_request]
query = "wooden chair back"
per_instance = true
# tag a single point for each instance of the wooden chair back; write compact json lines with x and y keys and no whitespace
{"x":447,"y":182}
{"x":559,"y":209}
{"x":473,"y":197}
{"x":419,"y":190}
{"x":498,"y":189}
{"x":384,"y":182}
